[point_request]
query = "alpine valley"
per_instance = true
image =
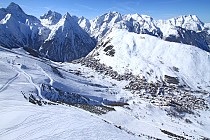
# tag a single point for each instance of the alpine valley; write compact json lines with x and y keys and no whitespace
{"x":114,"y":77}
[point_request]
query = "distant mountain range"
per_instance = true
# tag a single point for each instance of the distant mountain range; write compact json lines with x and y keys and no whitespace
{"x":65,"y":38}
{"x":184,"y":29}
{"x":60,"y":39}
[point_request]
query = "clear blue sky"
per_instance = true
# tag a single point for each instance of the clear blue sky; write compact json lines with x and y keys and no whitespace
{"x":158,"y":9}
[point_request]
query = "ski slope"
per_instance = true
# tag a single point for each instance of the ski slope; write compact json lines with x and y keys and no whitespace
{"x":22,"y":120}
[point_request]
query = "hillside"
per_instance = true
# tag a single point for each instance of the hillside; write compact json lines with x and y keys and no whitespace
{"x":154,"y":58}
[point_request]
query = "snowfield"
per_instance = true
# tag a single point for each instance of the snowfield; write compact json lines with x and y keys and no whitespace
{"x":23,"y":75}
{"x":22,"y":120}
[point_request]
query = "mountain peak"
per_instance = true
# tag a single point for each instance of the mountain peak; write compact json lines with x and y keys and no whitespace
{"x":51,"y":14}
{"x":67,"y":17}
{"x":188,"y":18}
{"x":113,"y":12}
{"x":137,"y":17}
{"x":82,"y":18}
{"x":14,"y":7}
{"x":190,"y":22}
{"x":50,"y":18}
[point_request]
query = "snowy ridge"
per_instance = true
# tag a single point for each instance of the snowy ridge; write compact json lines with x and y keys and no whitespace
{"x":133,"y":23}
{"x":83,"y":23}
{"x":191,"y":22}
{"x":153,"y":58}
{"x":141,"y":23}
{"x":20,"y":15}
{"x":50,"y":18}
{"x":184,"y":29}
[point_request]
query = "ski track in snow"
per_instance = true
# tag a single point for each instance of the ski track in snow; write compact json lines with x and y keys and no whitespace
{"x":36,"y":130}
{"x":47,"y":75}
{"x":29,"y":121}
{"x":26,"y":123}
{"x":30,"y":80}
{"x":9,"y":82}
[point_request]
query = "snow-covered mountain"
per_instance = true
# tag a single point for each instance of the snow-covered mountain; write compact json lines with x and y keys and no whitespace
{"x":19,"y":29}
{"x":57,"y":37}
{"x":133,"y":23}
{"x":83,"y":22}
{"x":191,"y":22}
{"x":184,"y":29}
{"x":154,"y":58}
{"x":50,"y":18}
{"x":61,"y":38}
{"x":66,"y":41}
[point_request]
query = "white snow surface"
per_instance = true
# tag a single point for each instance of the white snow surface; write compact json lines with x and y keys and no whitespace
{"x":7,"y":17}
{"x":20,"y":119}
{"x":152,"y":57}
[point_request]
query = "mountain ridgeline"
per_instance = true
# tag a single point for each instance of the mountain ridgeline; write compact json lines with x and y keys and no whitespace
{"x":184,"y":29}
{"x":60,"y":39}
{"x":66,"y":38}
